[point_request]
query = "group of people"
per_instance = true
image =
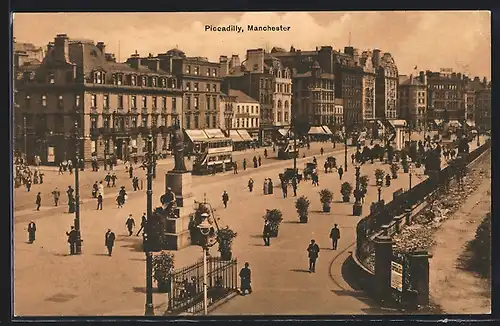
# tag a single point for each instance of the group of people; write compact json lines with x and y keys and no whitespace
{"x":257,"y":162}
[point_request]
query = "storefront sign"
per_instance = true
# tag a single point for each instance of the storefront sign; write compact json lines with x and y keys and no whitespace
{"x":397,"y":276}
{"x":51,"y":158}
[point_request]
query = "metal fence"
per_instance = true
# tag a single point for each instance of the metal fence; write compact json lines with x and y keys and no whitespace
{"x":186,"y":294}
{"x":369,"y":225}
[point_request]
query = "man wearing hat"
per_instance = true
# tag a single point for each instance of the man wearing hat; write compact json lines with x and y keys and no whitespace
{"x":109,"y":241}
{"x":335,"y":236}
{"x":313,"y":250}
{"x":130,"y":223}
{"x":168,"y":200}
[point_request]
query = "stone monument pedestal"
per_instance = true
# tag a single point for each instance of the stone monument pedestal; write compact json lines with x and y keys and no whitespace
{"x":177,"y":232}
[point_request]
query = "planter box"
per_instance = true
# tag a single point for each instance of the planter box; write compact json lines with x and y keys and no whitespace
{"x":346,"y":199}
{"x":394,"y":176}
{"x":326,"y":208}
{"x":274,"y":232}
{"x":357,"y":209}
{"x":164,"y":287}
{"x":303,"y":219}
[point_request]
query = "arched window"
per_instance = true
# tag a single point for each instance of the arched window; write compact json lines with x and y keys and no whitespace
{"x":279,"y":73}
{"x":286,"y":104}
{"x":279,"y":104}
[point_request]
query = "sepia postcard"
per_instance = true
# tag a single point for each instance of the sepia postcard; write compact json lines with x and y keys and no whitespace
{"x":252,"y":163}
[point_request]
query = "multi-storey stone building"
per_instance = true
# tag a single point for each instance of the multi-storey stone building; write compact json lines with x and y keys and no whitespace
{"x":227,"y":104}
{"x":412,"y":100}
{"x":247,"y":113}
{"x":314,"y":94}
{"x":386,"y":86}
{"x":116,"y":105}
{"x":483,"y":107}
{"x":445,"y":91}
{"x":368,"y":86}
{"x":264,"y":78}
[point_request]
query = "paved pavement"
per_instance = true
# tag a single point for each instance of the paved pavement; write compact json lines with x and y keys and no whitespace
{"x":48,"y":282}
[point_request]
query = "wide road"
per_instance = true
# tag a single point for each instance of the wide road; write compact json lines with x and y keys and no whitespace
{"x":48,"y":282}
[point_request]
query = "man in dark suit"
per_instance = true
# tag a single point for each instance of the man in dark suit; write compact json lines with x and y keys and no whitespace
{"x":72,"y":236}
{"x":246,"y":279}
{"x":266,"y":234}
{"x":130,"y":223}
{"x":313,"y":251}
{"x":143,"y":223}
{"x":335,"y":236}
{"x":31,"y":232}
{"x":38,"y":201}
{"x":109,"y":241}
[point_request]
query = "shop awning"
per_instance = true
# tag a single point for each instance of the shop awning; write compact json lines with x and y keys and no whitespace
{"x":245,"y":135}
{"x":214,"y":133}
{"x":438,"y":122}
{"x":196,"y":135}
{"x":316,"y":131}
{"x":283,"y":132}
{"x":455,"y":123}
{"x":236,"y":138}
{"x":327,"y":130}
{"x":398,"y":123}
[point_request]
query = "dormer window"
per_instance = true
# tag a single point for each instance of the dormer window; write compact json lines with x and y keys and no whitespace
{"x":117,"y":79}
{"x":163,"y":82}
{"x":188,"y":69}
{"x":196,"y":70}
{"x":51,"y":78}
{"x":133,"y":80}
{"x":188,"y":86}
{"x":153,"y":81}
{"x":214,"y":72}
{"x":214,"y":87}
{"x":173,"y":83}
{"x":98,"y":77}
{"x":144,"y":81}
{"x":44,"y":100}
{"x":195,"y":87}
{"x":208,"y":71}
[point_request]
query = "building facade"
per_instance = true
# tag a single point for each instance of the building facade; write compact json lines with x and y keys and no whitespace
{"x":314,"y":92}
{"x":227,"y":104}
{"x":115,"y":105}
{"x":368,"y":86}
{"x":412,"y":100}
{"x":483,"y":107}
{"x":246,"y":113}
{"x":446,"y":91}
{"x":386,"y":85}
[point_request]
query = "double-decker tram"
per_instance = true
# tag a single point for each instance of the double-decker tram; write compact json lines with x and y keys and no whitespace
{"x":212,"y":154}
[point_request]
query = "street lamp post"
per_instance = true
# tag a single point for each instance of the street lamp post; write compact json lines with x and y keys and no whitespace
{"x":204,"y":227}
{"x":357,"y":208}
{"x":379,"y":189}
{"x":478,"y":143}
{"x":345,"y":149}
{"x":410,"y":168}
{"x":78,"y":249}
{"x":149,"y":309}
{"x":25,"y":137}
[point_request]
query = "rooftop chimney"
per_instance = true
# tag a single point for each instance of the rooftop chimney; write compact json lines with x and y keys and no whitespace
{"x":485,"y":81}
{"x":50,"y":46}
{"x":134,"y":61}
{"x":61,"y":48}
{"x":376,"y":58}
{"x":101,"y":46}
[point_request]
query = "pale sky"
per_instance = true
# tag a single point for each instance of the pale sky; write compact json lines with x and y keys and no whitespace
{"x":429,"y":40}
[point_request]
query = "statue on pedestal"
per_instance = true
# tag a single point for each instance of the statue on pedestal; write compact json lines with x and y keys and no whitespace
{"x":177,"y":146}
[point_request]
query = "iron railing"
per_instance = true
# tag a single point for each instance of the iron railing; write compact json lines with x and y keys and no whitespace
{"x":186,"y":293}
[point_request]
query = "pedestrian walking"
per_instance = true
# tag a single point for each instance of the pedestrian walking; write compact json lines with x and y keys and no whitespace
{"x":56,"y":194}
{"x":246,"y":279}
{"x":313,"y":252}
{"x":225,"y":198}
{"x":130,"y":223}
{"x":250,"y":185}
{"x":284,"y":189}
{"x":70,"y":192}
{"x":266,"y":234}
{"x":135,"y":183}
{"x":72,"y":237}
{"x":266,"y":186}
{"x":28,"y":184}
{"x":130,"y":171}
{"x":340,"y":171}
{"x":353,"y":157}
{"x":113,"y":180}
{"x":99,"y":202}
{"x":270,"y":186}
{"x":100,"y":190}
{"x":31,"y":232}
{"x":335,"y":236}
{"x":143,"y":224}
{"x":255,"y":162}
{"x":244,"y":164}
{"x":265,"y":152}
{"x":321,"y":150}
{"x":294,"y":186}
{"x":259,"y":160}
{"x":109,"y":241}
{"x":107,"y":178}
{"x":235,"y":168}
{"x":38,"y":201}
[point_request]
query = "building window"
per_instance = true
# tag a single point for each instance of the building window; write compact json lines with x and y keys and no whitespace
{"x":93,"y":122}
{"x":208,"y":87}
{"x":144,"y":120}
{"x":144,"y":102}
{"x":196,"y":122}
{"x":246,"y":122}
{"x":196,"y":71}
{"x":251,"y":109}
{"x":120,"y":101}
{"x":163,"y":120}
{"x":188,"y":122}
{"x":207,"y":121}
{"x":208,"y":71}
{"x":188,"y":86}
{"x":174,"y":104}
{"x":106,"y":101}
{"x":195,"y":87}
{"x":164,"y":103}
{"x":93,"y":101}
{"x":188,"y":102}
{"x":256,"y":109}
{"x":153,"y":80}
{"x":154,"y":120}
{"x":133,"y":122}
{"x":134,"y":102}
{"x":28,"y":101}
{"x":237,"y":123}
{"x":105,"y":121}
{"x":44,"y":100}
{"x":208,"y":102}
{"x":256,"y":122}
{"x":214,"y":72}
{"x":51,"y":78}
{"x":196,"y":100}
{"x":188,"y":69}
{"x":144,"y":81}
{"x":286,"y":116}
{"x":214,"y":121}
{"x":117,"y":79}
{"x":133,"y":80}
{"x":60,"y":102}
{"x":215,"y":103}
{"x":214,"y":88}
{"x":163,"y":82}
{"x":155,"y":102}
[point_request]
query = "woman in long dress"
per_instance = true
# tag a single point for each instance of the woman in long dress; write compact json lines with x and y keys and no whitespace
{"x":270,"y":186}
{"x":266,"y":187}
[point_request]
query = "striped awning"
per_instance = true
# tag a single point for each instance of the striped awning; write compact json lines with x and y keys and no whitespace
{"x":233,"y":134}
{"x":214,"y":133}
{"x":196,"y":135}
{"x":245,"y":135}
{"x":283,"y":132}
{"x":327,"y":130}
{"x":316,"y":131}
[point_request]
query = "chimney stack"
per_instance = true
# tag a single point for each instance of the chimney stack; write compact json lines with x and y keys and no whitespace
{"x":61,"y":48}
{"x":50,"y":46}
{"x":224,"y":65}
{"x":376,"y":58}
{"x":102,"y":47}
{"x":485,"y":81}
{"x":134,"y":61}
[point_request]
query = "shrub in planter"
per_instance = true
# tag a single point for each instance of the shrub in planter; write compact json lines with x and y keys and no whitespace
{"x":274,"y":216}
{"x":226,"y":237}
{"x":363,"y":182}
{"x":326,"y":196}
{"x":379,"y":175}
{"x":163,"y":266}
{"x":302,"y":206}
{"x":346,"y":190}
{"x":394,"y":170}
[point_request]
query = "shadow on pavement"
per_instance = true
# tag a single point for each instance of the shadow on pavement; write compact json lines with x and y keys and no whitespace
{"x":291,"y":222}
{"x":257,"y":236}
{"x":258,"y":245}
{"x":299,"y":270}
{"x":138,"y":259}
{"x":60,"y":254}
{"x":101,"y":255}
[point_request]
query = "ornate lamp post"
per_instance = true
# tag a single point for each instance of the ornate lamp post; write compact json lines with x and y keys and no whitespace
{"x":79,"y":240}
{"x":410,"y":168}
{"x":345,"y":149}
{"x":357,"y":208}
{"x":149,"y":309}
{"x":204,"y":227}
{"x":379,"y":189}
{"x":478,"y":143}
